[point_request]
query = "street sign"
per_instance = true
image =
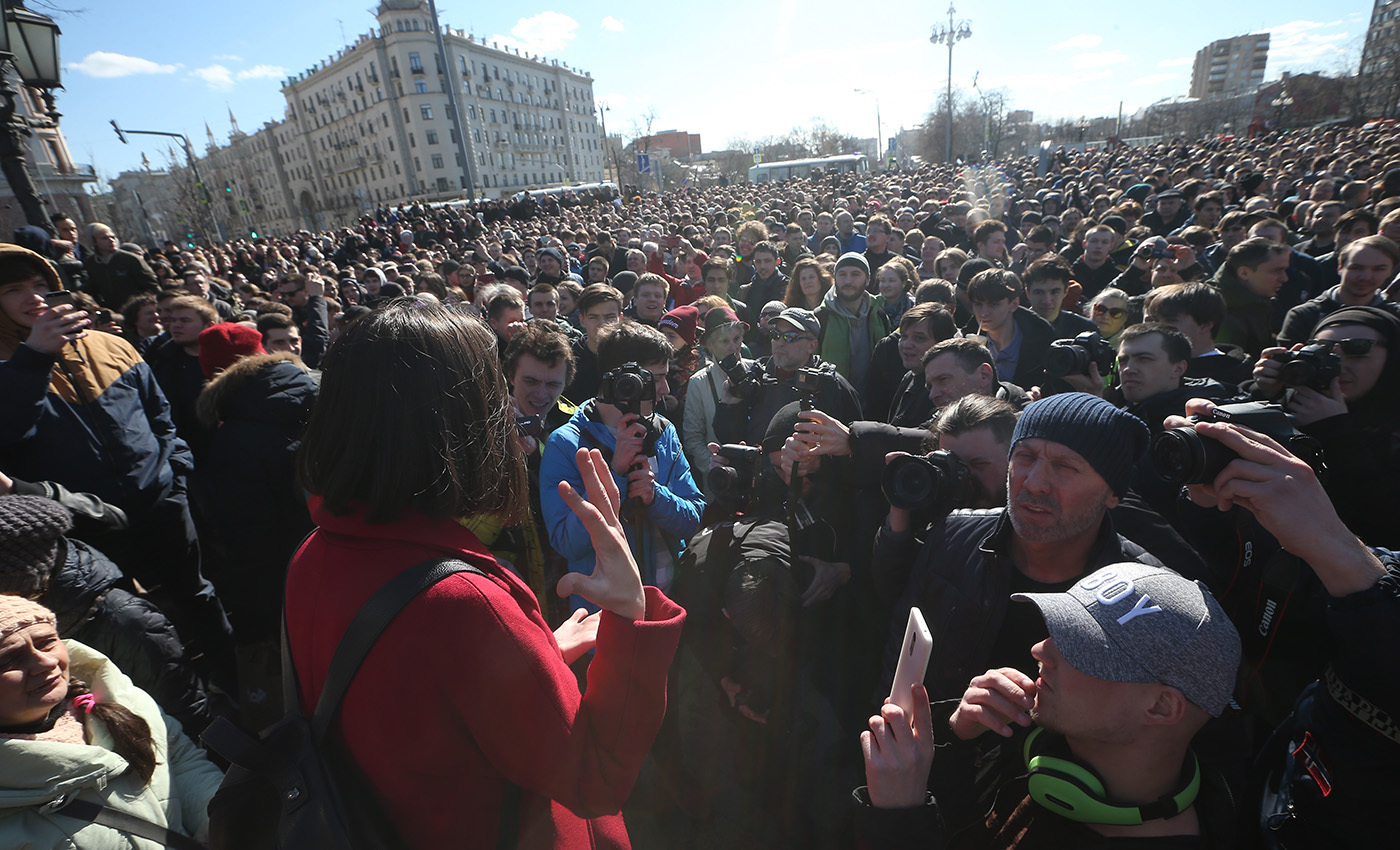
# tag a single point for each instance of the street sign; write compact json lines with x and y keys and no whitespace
{"x":757,"y":158}
{"x":644,"y":163}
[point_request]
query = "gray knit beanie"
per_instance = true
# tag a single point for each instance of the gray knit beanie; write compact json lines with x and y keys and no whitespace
{"x":851,"y":258}
{"x":1111,"y":440}
{"x":30,"y":528}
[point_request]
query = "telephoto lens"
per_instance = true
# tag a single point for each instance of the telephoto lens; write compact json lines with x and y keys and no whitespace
{"x":939,"y":481}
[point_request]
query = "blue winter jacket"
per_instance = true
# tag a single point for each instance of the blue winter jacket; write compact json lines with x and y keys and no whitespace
{"x":675,"y":511}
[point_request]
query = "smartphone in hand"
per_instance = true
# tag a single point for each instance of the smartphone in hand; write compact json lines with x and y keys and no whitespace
{"x":914,"y":654}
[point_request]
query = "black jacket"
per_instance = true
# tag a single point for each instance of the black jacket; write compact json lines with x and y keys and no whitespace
{"x":1036,"y":336}
{"x":959,"y":577}
{"x":254,"y":508}
{"x":91,"y":599}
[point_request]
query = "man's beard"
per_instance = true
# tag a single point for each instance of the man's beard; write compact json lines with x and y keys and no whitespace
{"x":1069,"y":525}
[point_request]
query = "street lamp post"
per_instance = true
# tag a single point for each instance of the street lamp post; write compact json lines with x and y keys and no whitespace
{"x":201,"y":194}
{"x":879,"y":134}
{"x":950,"y":35}
{"x":607,"y":145}
{"x":29,"y":41}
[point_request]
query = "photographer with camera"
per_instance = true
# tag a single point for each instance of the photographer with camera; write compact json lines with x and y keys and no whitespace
{"x":1343,"y":388}
{"x":1327,"y":774}
{"x":755,"y":392}
{"x":662,"y":504}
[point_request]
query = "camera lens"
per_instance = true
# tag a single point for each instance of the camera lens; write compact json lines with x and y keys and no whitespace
{"x":1062,"y":360}
{"x":1297,"y":373}
{"x":724,"y":482}
{"x":911,"y":483}
{"x":1181,"y":456}
{"x":628,"y":388}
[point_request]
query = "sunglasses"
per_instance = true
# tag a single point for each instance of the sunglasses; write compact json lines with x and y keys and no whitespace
{"x":1111,"y":312}
{"x":1349,"y":347}
{"x":788,"y":336}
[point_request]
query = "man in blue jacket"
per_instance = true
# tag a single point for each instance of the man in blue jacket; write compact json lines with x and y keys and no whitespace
{"x":662,"y":504}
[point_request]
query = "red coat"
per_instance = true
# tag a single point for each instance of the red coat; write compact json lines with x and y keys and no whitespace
{"x":467,"y":689}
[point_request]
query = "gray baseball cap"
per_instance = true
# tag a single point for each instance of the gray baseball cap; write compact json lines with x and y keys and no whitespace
{"x":802,"y":319}
{"x":1136,"y":623}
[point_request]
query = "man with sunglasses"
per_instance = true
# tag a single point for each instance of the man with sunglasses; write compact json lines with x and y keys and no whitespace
{"x":744,"y":418}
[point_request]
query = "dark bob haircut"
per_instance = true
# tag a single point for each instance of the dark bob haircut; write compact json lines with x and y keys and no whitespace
{"x":413,"y":416}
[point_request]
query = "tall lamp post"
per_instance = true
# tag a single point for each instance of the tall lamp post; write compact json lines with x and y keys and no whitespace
{"x":879,"y":134}
{"x":201,"y":194}
{"x":607,"y":145}
{"x":29,"y":41}
{"x":950,"y":35}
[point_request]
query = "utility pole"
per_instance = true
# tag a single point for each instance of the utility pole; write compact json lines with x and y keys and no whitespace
{"x":950,"y":35}
{"x":879,"y":133}
{"x":458,"y":125}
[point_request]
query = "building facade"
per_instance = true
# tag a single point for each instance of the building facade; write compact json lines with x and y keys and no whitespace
{"x":373,"y":126}
{"x":1380,"y":61}
{"x":1230,"y":66}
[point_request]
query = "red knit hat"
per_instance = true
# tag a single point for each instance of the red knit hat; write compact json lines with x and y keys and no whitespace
{"x":682,"y":320}
{"x":222,"y":345}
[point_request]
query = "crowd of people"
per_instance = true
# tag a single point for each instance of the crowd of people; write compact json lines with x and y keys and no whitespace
{"x":1122,"y":424}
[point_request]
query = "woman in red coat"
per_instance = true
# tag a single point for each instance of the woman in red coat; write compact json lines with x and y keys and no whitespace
{"x":467,"y":692}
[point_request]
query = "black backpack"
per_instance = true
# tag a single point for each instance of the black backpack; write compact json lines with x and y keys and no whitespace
{"x":294,"y":789}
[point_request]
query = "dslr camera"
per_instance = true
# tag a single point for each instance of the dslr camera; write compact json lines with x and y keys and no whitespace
{"x":1313,"y":366}
{"x":1181,"y":456}
{"x":740,"y":375}
{"x":938,"y":482}
{"x":626,"y":387}
{"x":735,"y":484}
{"x":1074,"y":356}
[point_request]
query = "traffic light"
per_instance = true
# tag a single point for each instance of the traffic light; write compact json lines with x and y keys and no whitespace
{"x":228,"y":187}
{"x":252,"y":234}
{"x":120,"y":134}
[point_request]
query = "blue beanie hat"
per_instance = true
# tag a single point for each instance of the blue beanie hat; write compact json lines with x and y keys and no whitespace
{"x":1111,"y":440}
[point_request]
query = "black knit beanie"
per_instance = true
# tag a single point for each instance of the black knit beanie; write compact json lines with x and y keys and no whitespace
{"x":1111,"y":440}
{"x":30,"y":528}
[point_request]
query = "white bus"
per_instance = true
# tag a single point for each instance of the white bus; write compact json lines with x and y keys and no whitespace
{"x":844,"y":164}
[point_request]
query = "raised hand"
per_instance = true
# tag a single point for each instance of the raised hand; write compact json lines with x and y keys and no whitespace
{"x":616,"y":584}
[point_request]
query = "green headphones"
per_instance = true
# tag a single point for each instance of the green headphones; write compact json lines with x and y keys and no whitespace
{"x":1074,"y":791}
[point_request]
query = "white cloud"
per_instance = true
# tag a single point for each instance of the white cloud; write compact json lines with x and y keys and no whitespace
{"x":258,"y":72}
{"x":1177,"y":62}
{"x":1304,"y":43}
{"x":1083,"y":41}
{"x":216,"y":76}
{"x":1154,"y":79}
{"x":547,"y":32}
{"x":1085,"y":61}
{"x":105,"y":65}
{"x":612,"y":24}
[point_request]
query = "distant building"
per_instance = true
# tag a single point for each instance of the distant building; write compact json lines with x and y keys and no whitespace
{"x":1230,"y":66}
{"x":372,"y":126}
{"x":681,"y":144}
{"x":1380,"y":60}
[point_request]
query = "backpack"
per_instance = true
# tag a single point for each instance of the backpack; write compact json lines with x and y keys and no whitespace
{"x":292,"y":788}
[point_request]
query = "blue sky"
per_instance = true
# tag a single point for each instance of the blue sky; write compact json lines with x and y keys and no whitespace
{"x":723,"y":71}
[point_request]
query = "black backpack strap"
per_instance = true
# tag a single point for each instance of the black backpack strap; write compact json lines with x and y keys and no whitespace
{"x":368,"y":625}
{"x":90,"y":812}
